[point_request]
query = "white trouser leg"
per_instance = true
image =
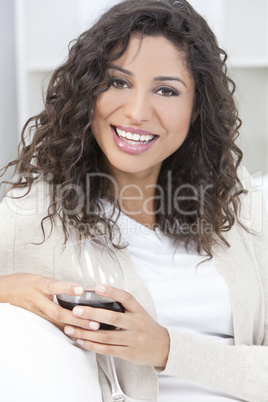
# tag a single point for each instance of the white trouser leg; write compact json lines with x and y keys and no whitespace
{"x":38,"y":363}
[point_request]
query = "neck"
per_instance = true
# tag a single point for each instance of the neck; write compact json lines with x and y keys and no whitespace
{"x":136,"y":194}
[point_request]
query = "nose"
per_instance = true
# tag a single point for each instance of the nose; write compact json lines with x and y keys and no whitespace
{"x":138,"y":107}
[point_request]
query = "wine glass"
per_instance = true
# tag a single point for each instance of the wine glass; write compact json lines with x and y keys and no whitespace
{"x":92,"y":262}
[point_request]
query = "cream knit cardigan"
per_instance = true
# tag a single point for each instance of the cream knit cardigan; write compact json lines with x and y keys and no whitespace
{"x":240,"y":370}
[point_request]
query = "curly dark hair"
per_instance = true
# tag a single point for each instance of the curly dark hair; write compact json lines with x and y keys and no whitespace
{"x":62,"y":149}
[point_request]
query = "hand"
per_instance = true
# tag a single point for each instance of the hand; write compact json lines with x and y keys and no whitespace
{"x":35,"y":293}
{"x":140,"y":339}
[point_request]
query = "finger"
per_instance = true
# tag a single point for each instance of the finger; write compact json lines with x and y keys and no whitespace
{"x":123,"y":297}
{"x":111,"y":350}
{"x":117,"y":338}
{"x":116,"y":319}
{"x":59,"y":315}
{"x":55,"y":287}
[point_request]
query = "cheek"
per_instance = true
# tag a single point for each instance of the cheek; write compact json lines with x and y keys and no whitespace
{"x":107,"y":104}
{"x":177,"y":119}
{"x":102,"y":111}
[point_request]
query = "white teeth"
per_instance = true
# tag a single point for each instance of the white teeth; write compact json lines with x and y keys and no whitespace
{"x":134,"y":138}
{"x":129,"y":136}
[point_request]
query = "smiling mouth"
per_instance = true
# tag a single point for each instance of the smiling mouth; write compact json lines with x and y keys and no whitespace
{"x":134,"y":138}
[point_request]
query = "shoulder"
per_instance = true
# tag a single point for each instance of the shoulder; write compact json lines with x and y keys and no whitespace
{"x":253,"y":215}
{"x":22,"y":210}
{"x":22,"y":247}
{"x":27,"y":202}
{"x":249,"y":234}
{"x":253,"y":208}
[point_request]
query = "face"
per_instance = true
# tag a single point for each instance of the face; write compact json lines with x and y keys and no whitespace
{"x":145,"y":114}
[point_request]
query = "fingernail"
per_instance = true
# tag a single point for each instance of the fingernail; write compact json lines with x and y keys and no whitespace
{"x":80,"y":342}
{"x":77,"y":311}
{"x":100,"y":289}
{"x":69,"y":331}
{"x":93,"y":325}
{"x":78,"y":290}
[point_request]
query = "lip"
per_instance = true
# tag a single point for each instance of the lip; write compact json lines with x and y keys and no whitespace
{"x":129,"y":148}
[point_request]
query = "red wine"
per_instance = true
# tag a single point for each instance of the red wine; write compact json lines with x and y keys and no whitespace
{"x":91,"y":299}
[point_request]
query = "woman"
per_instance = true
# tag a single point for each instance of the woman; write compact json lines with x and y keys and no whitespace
{"x":137,"y":138}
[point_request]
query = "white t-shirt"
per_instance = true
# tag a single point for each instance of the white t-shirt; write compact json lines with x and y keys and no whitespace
{"x":186,"y":296}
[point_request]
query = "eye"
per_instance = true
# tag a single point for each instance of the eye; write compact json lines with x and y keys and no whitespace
{"x":118,"y":83}
{"x":167,"y":92}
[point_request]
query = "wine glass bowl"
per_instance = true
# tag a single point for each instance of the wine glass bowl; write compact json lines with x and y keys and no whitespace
{"x":91,"y":299}
{"x":89,"y":263}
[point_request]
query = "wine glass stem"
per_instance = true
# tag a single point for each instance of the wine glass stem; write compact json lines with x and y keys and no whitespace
{"x":117,"y":394}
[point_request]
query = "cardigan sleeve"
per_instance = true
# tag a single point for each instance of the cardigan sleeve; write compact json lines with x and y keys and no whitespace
{"x":240,"y":370}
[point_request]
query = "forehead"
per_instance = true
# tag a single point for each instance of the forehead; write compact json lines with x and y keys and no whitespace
{"x":155,"y":54}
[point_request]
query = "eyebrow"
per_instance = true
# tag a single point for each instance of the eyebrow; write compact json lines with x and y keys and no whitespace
{"x":160,"y":78}
{"x":170,"y":79}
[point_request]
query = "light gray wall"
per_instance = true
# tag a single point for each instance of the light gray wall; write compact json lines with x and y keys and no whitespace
{"x":8,"y":101}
